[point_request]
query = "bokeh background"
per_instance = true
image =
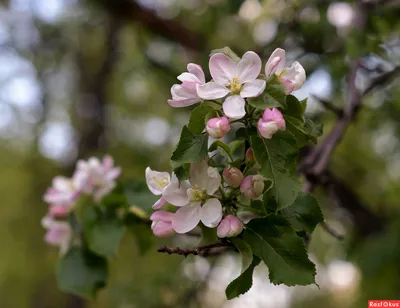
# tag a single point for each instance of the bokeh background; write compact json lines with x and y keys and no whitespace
{"x":81,"y":78}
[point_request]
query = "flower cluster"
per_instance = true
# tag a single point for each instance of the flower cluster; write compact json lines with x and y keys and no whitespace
{"x":94,"y":178}
{"x":221,"y":197}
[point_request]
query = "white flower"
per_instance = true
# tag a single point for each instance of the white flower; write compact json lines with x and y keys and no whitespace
{"x":238,"y":79}
{"x":193,"y":198}
{"x":64,"y":191}
{"x":292,"y":77}
{"x":157,"y":182}
{"x":95,"y":177}
{"x":59,"y":233}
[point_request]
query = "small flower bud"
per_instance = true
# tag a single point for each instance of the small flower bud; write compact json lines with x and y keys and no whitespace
{"x":271,"y":122}
{"x":162,"y":224}
{"x":218,"y":127}
{"x":230,"y":226}
{"x":233,"y":177}
{"x":58,"y":211}
{"x":252,"y":186}
{"x":249,"y":155}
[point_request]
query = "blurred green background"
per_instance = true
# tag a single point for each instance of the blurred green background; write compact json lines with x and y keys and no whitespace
{"x":81,"y":78}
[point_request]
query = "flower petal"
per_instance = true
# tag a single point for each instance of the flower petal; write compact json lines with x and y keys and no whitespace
{"x":162,"y":216}
{"x":183,"y":102}
{"x":249,"y":67}
{"x":188,"y":77}
{"x":234,"y":107}
{"x":222,"y":68}
{"x":198,"y":174}
{"x":296,"y":74}
{"x":176,"y":193}
{"x":276,"y":62}
{"x":211,"y":213}
{"x":212,"y":90}
{"x":159,"y":203}
{"x":196,"y":70}
{"x":163,"y":229}
{"x":187,"y":218}
{"x":157,"y":181}
{"x":180,"y":91}
{"x":253,"y":88}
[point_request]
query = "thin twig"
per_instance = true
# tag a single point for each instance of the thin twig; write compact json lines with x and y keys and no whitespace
{"x":205,"y":251}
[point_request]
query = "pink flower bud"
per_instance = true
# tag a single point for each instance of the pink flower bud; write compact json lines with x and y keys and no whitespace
{"x":162,"y":224}
{"x":271,"y":122}
{"x":230,"y":226}
{"x":249,"y":155}
{"x":218,"y":127}
{"x":233,"y":177}
{"x":58,"y":211}
{"x":252,"y":186}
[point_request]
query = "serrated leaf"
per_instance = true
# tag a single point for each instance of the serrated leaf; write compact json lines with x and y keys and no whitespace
{"x":273,"y":95}
{"x":243,"y":283}
{"x":277,"y":159}
{"x":313,"y":129}
{"x":274,"y":241}
{"x":227,"y":51}
{"x":81,"y":273}
{"x":197,"y":120}
{"x":296,"y":127}
{"x":294,"y":107}
{"x":223,"y":149}
{"x":245,"y":252}
{"x":304,"y":214}
{"x":191,"y":148}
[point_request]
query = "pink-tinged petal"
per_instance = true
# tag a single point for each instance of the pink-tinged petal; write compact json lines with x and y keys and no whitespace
{"x":211,"y":213}
{"x":214,"y":180}
{"x":187,"y":218}
{"x":253,"y":88}
{"x":58,"y":211}
{"x":163,"y":229}
{"x":162,"y":216}
{"x":268,"y":115}
{"x":234,"y":107}
{"x":229,"y":226}
{"x":196,"y":70}
{"x":108,"y":162}
{"x":112,"y":174}
{"x":289,"y":86}
{"x":183,"y":102}
{"x":276,"y":62}
{"x":267,"y":129}
{"x":176,"y":192}
{"x":179,"y":92}
{"x":212,"y":90}
{"x":222,"y":68}
{"x":300,"y":76}
{"x":249,"y":67}
{"x":188,"y":77}
{"x":159,"y":203}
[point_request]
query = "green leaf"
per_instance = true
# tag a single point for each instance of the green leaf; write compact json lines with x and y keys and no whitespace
{"x":270,"y":203}
{"x":81,"y":273}
{"x":294,"y":107}
{"x":296,"y":127}
{"x":274,"y":241}
{"x":245,"y":252}
{"x":208,"y":235}
{"x":273,"y":95}
{"x":244,"y":133}
{"x":304,"y":214}
{"x":104,"y":236}
{"x":312,"y":129}
{"x":227,"y":51}
{"x":137,"y":193}
{"x":303,"y":104}
{"x":243,"y":283}
{"x":143,"y":235}
{"x":197,"y":120}
{"x":182,"y":172}
{"x":277,"y":159}
{"x":223,"y":149}
{"x":191,"y":148}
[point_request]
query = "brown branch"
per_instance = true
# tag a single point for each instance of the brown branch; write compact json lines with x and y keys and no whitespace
{"x":204,"y":251}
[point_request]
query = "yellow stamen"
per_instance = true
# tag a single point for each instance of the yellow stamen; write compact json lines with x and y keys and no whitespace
{"x":235,"y":85}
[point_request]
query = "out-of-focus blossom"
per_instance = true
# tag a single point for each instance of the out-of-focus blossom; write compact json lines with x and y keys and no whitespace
{"x":59,"y":233}
{"x":239,"y":80}
{"x":194,"y":198}
{"x":58,"y":211}
{"x":185,"y":94}
{"x":218,"y":127}
{"x":271,"y":122}
{"x":230,"y":226}
{"x":96,"y":177}
{"x":252,"y":186}
{"x":162,"y":224}
{"x":156,"y":182}
{"x":233,"y":177}
{"x":292,"y":77}
{"x":64,"y":191}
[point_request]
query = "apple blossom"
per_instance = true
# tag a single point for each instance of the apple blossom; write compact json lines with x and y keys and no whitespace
{"x":239,"y":80}
{"x":230,"y":226}
{"x":218,"y":127}
{"x":252,"y":186}
{"x":95,"y":177}
{"x":162,"y":223}
{"x":64,"y":191}
{"x":59,"y":233}
{"x":271,"y":122}
{"x":194,"y":198}
{"x":233,"y":177}
{"x":185,"y":94}
{"x":156,"y":182}
{"x":292,"y":77}
{"x":58,"y":211}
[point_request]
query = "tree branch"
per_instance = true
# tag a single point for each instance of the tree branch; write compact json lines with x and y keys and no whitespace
{"x":204,"y":251}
